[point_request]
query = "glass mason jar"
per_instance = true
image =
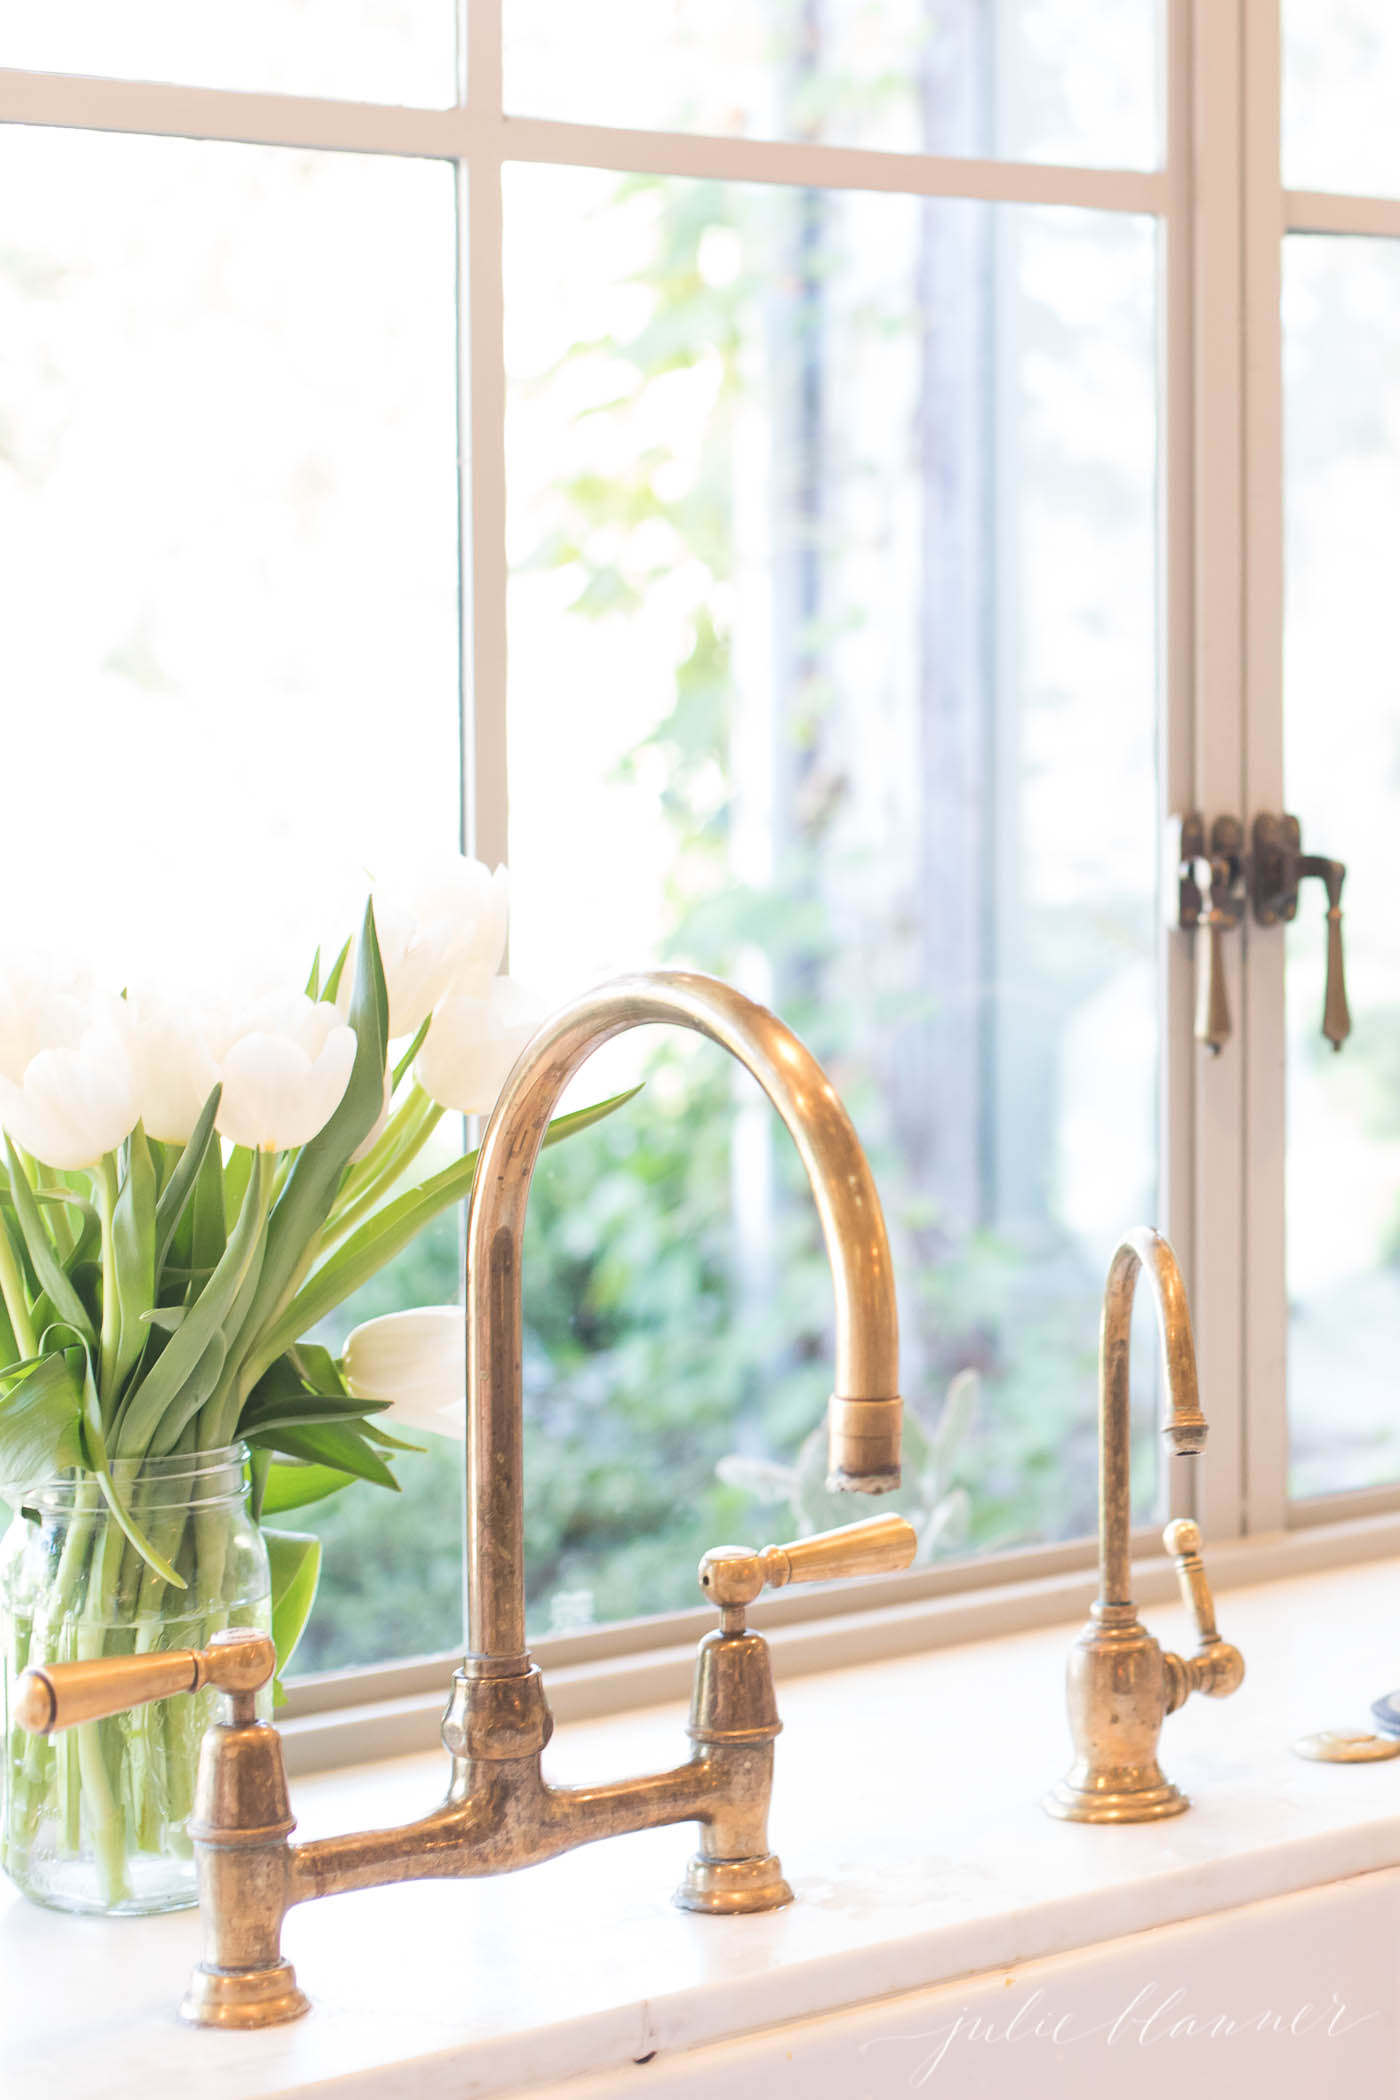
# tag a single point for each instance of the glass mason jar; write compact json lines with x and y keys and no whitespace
{"x":94,"y":1819}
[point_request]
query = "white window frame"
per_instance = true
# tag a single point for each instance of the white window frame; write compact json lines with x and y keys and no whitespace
{"x":1223,"y":213}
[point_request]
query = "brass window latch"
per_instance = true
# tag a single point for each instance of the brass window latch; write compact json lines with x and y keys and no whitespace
{"x":1213,"y":877}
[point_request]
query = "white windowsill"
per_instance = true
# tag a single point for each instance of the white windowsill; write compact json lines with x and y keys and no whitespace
{"x":353,"y":1717}
{"x":906,"y":1812}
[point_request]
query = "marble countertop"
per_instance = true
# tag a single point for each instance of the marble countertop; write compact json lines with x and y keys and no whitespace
{"x":906,"y":1813}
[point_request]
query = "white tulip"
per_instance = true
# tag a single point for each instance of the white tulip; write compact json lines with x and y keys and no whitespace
{"x":74,"y":1103}
{"x":441,"y":928}
{"x":171,"y":1056}
{"x":472,"y":1043}
{"x":40,"y":1012}
{"x":418,"y":1362}
{"x":284,"y":1066}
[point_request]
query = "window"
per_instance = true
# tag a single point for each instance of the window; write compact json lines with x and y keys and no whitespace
{"x":887,"y":433}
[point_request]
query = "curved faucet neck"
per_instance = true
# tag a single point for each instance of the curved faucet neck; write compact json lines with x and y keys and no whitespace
{"x":1141,"y":1250}
{"x":865,"y":1406}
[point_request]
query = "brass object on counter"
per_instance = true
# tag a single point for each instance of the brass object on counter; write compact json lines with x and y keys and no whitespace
{"x":1343,"y":1746}
{"x":1121,"y":1685}
{"x":500,"y":1812}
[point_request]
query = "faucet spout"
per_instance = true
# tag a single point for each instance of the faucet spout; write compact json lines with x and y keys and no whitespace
{"x":1121,"y":1685}
{"x":865,"y":1406}
{"x":1139,"y":1251}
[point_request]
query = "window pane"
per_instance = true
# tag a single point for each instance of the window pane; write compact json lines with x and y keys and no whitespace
{"x":1056,"y":80}
{"x":363,"y":50}
{"x":832,"y":670}
{"x":228,"y":552}
{"x":1341,"y":78}
{"x":1342,"y":748}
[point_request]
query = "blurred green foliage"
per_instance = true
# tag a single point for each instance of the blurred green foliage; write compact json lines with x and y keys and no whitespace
{"x":659,"y":1379}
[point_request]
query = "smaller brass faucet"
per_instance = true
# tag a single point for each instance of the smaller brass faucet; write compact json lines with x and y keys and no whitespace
{"x":1121,"y":1685}
{"x":500,"y":1811}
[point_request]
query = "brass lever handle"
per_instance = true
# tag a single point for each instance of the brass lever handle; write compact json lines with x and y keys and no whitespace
{"x":62,"y":1695}
{"x":877,"y":1546}
{"x":1212,"y":1002}
{"x":1217,"y":1668}
{"x":1336,"y":1015}
{"x":732,"y":1576}
{"x":1280,"y":866}
{"x":1207,"y":878}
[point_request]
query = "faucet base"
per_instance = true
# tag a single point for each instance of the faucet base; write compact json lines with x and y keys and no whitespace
{"x":1149,"y":1801}
{"x":263,"y":1997}
{"x":727,"y":1887}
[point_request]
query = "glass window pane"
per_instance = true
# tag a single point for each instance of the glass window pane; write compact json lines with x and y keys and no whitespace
{"x":832,"y":671}
{"x":1055,"y":80}
{"x":1341,"y":79}
{"x":1342,"y":750}
{"x":363,"y":50}
{"x":228,"y":551}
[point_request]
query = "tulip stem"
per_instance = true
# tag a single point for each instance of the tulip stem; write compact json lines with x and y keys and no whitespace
{"x":105,"y":1174}
{"x":384,"y":1154}
{"x":401,"y":1141}
{"x":12,"y":1290}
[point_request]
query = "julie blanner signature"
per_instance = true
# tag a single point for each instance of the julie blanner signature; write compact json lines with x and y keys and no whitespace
{"x":1156,"y":2015}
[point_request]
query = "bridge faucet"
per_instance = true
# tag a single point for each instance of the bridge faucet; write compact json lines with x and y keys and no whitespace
{"x":500,"y":1812}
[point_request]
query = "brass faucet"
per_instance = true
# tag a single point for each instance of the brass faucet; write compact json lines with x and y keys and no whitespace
{"x":1121,"y":1685}
{"x":500,"y":1812}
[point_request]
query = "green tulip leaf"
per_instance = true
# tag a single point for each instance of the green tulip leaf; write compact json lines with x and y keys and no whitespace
{"x":405,"y":1063}
{"x":317,"y":1367}
{"x":39,"y":1427}
{"x":304,"y":1407}
{"x":303,"y":1386}
{"x":294,"y":1561}
{"x":209,"y":1223}
{"x":332,"y":983}
{"x":145,"y":1407}
{"x":376,"y":1433}
{"x":95,"y":1458}
{"x":310,"y":1189}
{"x":296,"y":1483}
{"x":390,"y":1230}
{"x":338,"y":1445}
{"x":68,"y":1198}
{"x":53,"y":1280}
{"x":200,"y":1386}
{"x":181,"y":1186}
{"x":134,"y":1254}
{"x":238,"y":1168}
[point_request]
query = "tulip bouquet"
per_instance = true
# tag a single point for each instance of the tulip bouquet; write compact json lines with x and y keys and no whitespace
{"x":188,"y":1187}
